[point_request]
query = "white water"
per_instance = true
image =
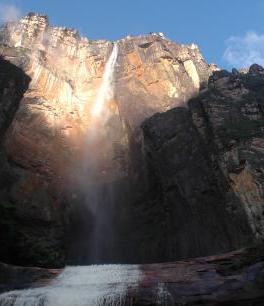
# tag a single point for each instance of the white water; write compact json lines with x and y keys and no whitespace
{"x":106,"y":90}
{"x":97,"y":285}
{"x":80,"y":286}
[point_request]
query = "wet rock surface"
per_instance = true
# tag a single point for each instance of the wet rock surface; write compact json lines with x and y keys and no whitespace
{"x":230,"y":279}
{"x":16,"y":278}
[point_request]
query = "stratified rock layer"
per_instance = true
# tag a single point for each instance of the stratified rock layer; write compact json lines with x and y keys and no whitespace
{"x":206,"y":164}
{"x":186,"y":182}
{"x":152,"y":75}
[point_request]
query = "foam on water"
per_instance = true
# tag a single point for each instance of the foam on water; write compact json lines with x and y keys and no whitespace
{"x":80,"y":286}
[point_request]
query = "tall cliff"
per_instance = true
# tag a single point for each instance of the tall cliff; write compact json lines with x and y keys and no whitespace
{"x":180,"y":185}
{"x":153,"y":74}
{"x":13,"y":83}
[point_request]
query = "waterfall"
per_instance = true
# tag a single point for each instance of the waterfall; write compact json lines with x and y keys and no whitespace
{"x":106,"y":89}
{"x":100,"y":196}
{"x":96,"y":285}
{"x":80,"y":286}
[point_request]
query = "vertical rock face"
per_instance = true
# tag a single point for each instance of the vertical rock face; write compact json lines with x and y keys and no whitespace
{"x":206,"y":161}
{"x":174,"y":191}
{"x":235,"y":113}
{"x":13,"y":83}
{"x":191,"y":191}
{"x":153,"y":74}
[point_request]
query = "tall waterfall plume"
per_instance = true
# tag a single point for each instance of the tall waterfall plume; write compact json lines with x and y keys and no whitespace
{"x":106,"y":89}
{"x":96,"y":179}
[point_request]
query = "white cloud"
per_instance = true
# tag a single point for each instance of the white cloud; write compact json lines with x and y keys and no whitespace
{"x":245,"y":51}
{"x":9,"y":13}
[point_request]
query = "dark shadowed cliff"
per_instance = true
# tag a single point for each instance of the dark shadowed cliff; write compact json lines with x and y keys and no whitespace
{"x":179,"y":154}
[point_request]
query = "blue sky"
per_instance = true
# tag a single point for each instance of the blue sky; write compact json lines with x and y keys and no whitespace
{"x":228,"y":32}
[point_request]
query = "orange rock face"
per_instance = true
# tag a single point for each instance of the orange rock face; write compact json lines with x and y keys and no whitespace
{"x":170,"y":184}
{"x":50,"y":130}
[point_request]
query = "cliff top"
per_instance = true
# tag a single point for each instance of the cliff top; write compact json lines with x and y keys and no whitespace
{"x":41,"y":21}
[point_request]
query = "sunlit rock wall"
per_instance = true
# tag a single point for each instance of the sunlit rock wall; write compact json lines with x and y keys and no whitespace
{"x":159,"y":208}
{"x":153,"y":74}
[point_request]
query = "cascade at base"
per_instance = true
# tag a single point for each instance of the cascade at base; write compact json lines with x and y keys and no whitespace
{"x":80,"y":286}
